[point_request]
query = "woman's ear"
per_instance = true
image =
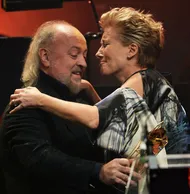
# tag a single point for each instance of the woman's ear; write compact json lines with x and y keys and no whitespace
{"x":133,"y":50}
{"x":44,"y":58}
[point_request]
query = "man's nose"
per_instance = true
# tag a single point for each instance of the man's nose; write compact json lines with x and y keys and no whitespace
{"x":82,"y":62}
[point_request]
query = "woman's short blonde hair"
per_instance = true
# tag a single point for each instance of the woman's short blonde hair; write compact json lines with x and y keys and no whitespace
{"x":137,"y":27}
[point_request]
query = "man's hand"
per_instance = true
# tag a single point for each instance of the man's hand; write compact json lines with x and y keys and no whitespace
{"x":117,"y":171}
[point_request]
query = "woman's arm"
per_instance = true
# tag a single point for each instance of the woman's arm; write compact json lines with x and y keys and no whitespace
{"x":32,"y":97}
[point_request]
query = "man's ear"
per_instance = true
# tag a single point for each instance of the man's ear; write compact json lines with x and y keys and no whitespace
{"x":133,"y":50}
{"x":43,"y":53}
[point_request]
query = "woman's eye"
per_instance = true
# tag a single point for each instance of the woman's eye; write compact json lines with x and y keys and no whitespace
{"x":105,"y":44}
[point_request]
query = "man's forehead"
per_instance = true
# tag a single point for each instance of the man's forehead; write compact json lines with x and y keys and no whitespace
{"x":77,"y":42}
{"x":70,"y":37}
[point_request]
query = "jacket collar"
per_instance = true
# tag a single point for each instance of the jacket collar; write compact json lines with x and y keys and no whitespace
{"x":61,"y":89}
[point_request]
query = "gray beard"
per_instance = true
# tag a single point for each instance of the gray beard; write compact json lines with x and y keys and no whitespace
{"x":74,"y":88}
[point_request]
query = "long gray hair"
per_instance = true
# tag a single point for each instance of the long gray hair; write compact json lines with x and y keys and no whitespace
{"x":43,"y":37}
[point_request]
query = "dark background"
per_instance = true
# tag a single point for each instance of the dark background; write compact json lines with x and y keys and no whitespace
{"x":17,"y":27}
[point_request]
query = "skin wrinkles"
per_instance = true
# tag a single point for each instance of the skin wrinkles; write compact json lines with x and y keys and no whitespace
{"x":122,"y":54}
{"x":115,"y":58}
{"x":67,"y":58}
{"x":112,"y":53}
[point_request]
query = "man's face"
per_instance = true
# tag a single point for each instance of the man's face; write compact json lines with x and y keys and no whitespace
{"x":67,"y":59}
{"x":112,"y":54}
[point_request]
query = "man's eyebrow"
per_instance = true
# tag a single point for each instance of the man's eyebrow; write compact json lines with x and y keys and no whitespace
{"x":78,"y":48}
{"x":75,"y":47}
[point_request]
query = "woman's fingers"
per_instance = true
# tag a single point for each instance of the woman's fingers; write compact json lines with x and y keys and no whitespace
{"x":25,"y":90}
{"x":14,"y":96}
{"x":24,"y":97}
{"x":17,"y":91}
{"x":14,"y":102}
{"x":16,"y":108}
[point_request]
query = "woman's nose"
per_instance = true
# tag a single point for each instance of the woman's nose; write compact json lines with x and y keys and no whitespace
{"x":99,"y":53}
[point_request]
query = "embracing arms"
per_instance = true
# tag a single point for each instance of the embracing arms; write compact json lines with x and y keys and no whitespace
{"x":32,"y":97}
{"x":116,"y":171}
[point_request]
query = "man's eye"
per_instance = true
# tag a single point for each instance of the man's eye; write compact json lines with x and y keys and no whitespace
{"x":74,"y":56}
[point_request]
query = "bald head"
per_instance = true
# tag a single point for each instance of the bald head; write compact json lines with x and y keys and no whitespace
{"x":59,"y":49}
{"x":64,"y":33}
{"x":64,"y":57}
{"x":68,"y":30}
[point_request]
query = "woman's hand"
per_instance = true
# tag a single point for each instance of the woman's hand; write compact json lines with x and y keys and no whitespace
{"x":25,"y":97}
{"x":90,"y":91}
{"x":85,"y":85}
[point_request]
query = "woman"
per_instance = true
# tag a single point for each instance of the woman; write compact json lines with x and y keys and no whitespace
{"x":130,"y":46}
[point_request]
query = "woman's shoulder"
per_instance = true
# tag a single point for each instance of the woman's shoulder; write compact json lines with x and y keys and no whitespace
{"x":154,"y":76}
{"x":113,"y":98}
{"x":123,"y":92}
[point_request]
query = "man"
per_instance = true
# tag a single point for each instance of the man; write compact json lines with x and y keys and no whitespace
{"x":41,"y":152}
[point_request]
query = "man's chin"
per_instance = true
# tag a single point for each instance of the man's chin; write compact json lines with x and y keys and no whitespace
{"x":75,"y":87}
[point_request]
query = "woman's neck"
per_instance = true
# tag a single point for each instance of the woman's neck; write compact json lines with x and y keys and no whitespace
{"x":135,"y":82}
{"x":124,"y":76}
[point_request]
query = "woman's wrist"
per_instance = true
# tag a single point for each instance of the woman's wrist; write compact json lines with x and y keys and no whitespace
{"x":88,"y":89}
{"x":42,"y":100}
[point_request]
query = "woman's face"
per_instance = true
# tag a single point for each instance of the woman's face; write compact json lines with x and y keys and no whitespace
{"x":112,"y":54}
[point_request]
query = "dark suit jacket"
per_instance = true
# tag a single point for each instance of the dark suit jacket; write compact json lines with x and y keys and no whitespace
{"x":43,"y":153}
